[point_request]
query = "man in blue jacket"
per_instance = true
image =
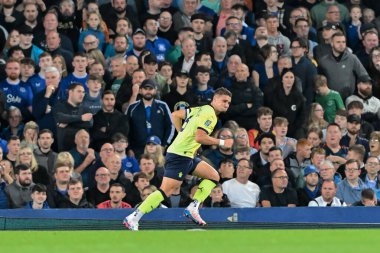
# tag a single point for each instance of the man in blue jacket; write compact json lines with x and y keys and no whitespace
{"x":147,"y":117}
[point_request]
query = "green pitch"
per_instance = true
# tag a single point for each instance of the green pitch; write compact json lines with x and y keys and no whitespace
{"x":218,"y":241}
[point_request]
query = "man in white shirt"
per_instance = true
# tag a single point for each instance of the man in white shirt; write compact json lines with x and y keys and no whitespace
{"x":241,"y":191}
{"x":328,"y":196}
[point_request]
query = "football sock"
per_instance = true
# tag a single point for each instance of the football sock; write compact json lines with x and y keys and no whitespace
{"x":204,"y":190}
{"x":152,"y":202}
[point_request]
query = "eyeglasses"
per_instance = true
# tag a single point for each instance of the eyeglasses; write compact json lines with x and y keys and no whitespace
{"x":319,"y":110}
{"x":242,"y":167}
{"x":375,"y":55}
{"x":282,"y":177}
{"x":373,"y":140}
{"x":89,"y":43}
{"x":223,"y":137}
{"x":242,"y":136}
{"x":26,"y":153}
{"x":351,"y":170}
{"x":233,"y":24}
{"x":372,"y":164}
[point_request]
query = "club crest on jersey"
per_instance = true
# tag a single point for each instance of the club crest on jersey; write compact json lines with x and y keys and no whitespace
{"x":22,"y":89}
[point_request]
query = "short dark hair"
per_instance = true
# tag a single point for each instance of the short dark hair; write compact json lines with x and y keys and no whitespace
{"x":13,"y":138}
{"x":368,"y":193}
{"x":359,"y":149}
{"x":355,"y":105}
{"x":108,"y":92}
{"x":28,"y":61}
{"x":39,"y":188}
{"x":118,"y":185}
{"x":332,"y":124}
{"x":250,"y":164}
{"x":266,"y":135}
{"x":146,"y":157}
{"x":74,"y":181}
{"x":11,"y":51}
{"x":329,"y":181}
{"x":226,"y":160}
{"x":275,"y":148}
{"x":349,"y":161}
{"x":263,"y":110}
{"x":44,"y":131}
{"x":139,"y":175}
{"x":20,"y":167}
{"x":222,"y":91}
{"x":273,"y":174}
{"x":72,"y":86}
{"x":80,"y":54}
{"x":118,"y":136}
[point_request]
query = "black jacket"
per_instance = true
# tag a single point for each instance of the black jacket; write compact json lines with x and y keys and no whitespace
{"x":242,"y":94}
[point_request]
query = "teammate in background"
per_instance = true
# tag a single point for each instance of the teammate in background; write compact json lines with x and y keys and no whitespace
{"x":194,"y":126}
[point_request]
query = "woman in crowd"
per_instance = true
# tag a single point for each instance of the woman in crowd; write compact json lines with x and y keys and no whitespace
{"x":267,"y":69}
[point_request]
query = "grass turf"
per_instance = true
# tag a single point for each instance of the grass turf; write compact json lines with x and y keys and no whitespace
{"x":218,"y":241}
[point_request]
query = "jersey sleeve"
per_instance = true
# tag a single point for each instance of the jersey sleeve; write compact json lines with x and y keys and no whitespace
{"x":207,"y":120}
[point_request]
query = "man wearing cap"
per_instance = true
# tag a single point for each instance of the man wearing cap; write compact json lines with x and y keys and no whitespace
{"x":370,"y":40}
{"x":157,"y":45}
{"x":26,"y":38}
{"x":352,"y":136}
{"x":150,"y":66}
{"x":311,"y":189}
{"x":341,"y":67}
{"x":138,"y":42}
{"x":327,"y":31}
{"x":371,"y":104}
{"x":149,"y":116}
{"x":198,"y":23}
{"x":182,"y":96}
{"x":327,"y":198}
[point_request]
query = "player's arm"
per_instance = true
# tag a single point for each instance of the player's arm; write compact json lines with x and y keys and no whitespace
{"x":177,"y":118}
{"x":202,"y":137}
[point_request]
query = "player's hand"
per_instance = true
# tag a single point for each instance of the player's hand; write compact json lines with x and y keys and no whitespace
{"x":228,"y":143}
{"x":87,"y":117}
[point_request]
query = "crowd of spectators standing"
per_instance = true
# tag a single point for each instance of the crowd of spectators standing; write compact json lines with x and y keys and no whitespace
{"x":87,"y":88}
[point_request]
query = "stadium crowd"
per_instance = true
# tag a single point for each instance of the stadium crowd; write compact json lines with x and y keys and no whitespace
{"x":87,"y":88}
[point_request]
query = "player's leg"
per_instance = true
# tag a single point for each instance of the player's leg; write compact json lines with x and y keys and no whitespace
{"x":210,"y":179}
{"x":152,"y":202}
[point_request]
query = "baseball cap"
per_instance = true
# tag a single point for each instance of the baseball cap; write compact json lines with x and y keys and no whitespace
{"x":310,"y":169}
{"x":148,"y":83}
{"x":154,"y":139}
{"x":25,"y":29}
{"x":364,"y":79}
{"x":150,"y":58}
{"x":353,"y":118}
{"x":139,"y":30}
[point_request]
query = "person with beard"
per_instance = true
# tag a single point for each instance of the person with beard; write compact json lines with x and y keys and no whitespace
{"x":44,"y":154}
{"x":117,"y":194}
{"x":107,"y":122}
{"x":50,"y":23}
{"x":139,"y":42}
{"x":69,"y":21}
{"x":158,"y":46}
{"x":371,"y":104}
{"x":215,"y":156}
{"x":123,"y":29}
{"x":32,"y":17}
{"x":352,"y":136}
{"x":17,"y":93}
{"x":57,"y":191}
{"x":341,"y":79}
{"x":246,"y":99}
{"x":148,"y":116}
{"x":10,"y":18}
{"x":116,"y":9}
{"x":287,"y":101}
{"x":153,"y":10}
{"x":71,"y":116}
{"x":166,"y":28}
{"x":19,"y":192}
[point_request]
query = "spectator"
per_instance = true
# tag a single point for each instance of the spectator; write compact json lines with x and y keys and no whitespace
{"x":278,"y":194}
{"x":219,"y":48}
{"x":76,"y":197}
{"x":129,"y":164}
{"x":352,"y":137}
{"x":71,"y":116}
{"x":327,"y":171}
{"x":240,"y":191}
{"x":166,"y":27}
{"x":19,"y":192}
{"x":315,"y":118}
{"x":217,"y":198}
{"x":260,"y":159}
{"x":3,"y":183}
{"x":38,"y":198}
{"x":186,"y":63}
{"x":275,"y":37}
{"x":57,"y":192}
{"x":357,"y":107}
{"x":149,"y":168}
{"x":311,"y":189}
{"x":198,"y":23}
{"x":327,"y":198}
{"x":370,"y":40}
{"x":117,"y":194}
{"x":60,"y":64}
{"x":202,"y":86}
{"x":140,"y":181}
{"x":374,"y":144}
{"x":157,"y":45}
{"x":368,"y":198}
{"x":314,"y":136}
{"x":101,"y":191}
{"x":145,"y":120}
{"x":227,"y":76}
{"x":298,"y":161}
{"x":334,"y":151}
{"x":38,"y":81}
{"x":264,"y":120}
{"x":153,"y":147}
{"x":241,"y":141}
{"x":350,"y":188}
{"x":30,"y":134}
{"x":29,"y":49}
{"x":39,"y":173}
{"x":13,"y":149}
{"x":262,"y":71}
{"x":226,"y":170}
{"x":94,"y":27}
{"x":54,"y":47}
{"x":330,"y":100}
{"x":371,"y":176}
{"x":285,"y":143}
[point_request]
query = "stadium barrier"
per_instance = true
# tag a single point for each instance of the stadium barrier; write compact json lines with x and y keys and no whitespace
{"x":221,"y":218}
